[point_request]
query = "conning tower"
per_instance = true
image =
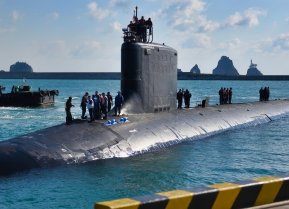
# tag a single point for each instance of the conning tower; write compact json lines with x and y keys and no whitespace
{"x":148,"y":70}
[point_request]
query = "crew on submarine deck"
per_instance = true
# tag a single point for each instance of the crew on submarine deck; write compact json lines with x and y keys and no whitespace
{"x":68,"y":106}
{"x":118,"y":103}
{"x":98,"y":106}
{"x":225,"y":95}
{"x":83,"y":105}
{"x":264,"y":94}
{"x":186,"y":95}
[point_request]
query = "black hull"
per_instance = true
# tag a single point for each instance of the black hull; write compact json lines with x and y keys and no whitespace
{"x":71,"y":144}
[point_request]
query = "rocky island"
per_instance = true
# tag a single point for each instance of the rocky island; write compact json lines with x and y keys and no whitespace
{"x":225,"y":67}
{"x":195,"y":69}
{"x":253,"y":71}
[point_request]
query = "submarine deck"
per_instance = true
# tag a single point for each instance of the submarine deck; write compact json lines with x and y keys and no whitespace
{"x":82,"y":142}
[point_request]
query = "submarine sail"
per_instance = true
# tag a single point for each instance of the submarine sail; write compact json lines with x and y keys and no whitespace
{"x":148,"y":70}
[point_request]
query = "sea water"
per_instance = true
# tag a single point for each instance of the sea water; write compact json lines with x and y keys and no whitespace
{"x":233,"y":155}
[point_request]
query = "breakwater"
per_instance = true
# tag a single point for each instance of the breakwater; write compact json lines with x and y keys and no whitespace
{"x":117,"y":76}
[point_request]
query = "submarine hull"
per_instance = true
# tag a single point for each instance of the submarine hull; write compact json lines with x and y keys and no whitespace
{"x":83,"y":142}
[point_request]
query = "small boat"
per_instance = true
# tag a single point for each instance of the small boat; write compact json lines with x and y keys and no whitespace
{"x":22,"y":96}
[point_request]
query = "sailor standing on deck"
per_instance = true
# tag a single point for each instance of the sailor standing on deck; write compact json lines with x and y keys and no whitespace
{"x":68,"y":106}
{"x":118,"y":101}
{"x":83,"y":105}
{"x":261,"y":94}
{"x":180,"y":96}
{"x":96,"y":109}
{"x":267,"y":94}
{"x":90,"y":105}
{"x":187,"y":97}
{"x":109,"y":101}
{"x":230,"y":95}
{"x":149,"y":24}
{"x":221,"y":96}
{"x":103,"y":105}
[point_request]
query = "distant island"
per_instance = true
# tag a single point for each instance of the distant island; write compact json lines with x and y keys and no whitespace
{"x":253,"y":71}
{"x":21,"y":67}
{"x":225,"y":70}
{"x":195,"y":69}
{"x":225,"y":67}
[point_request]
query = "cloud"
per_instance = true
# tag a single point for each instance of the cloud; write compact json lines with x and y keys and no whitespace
{"x":281,"y":42}
{"x":199,"y":40}
{"x":97,"y":12}
{"x":4,"y":29}
{"x":85,"y":50}
{"x":54,"y":15}
{"x":119,"y":3}
{"x":249,"y":18}
{"x":64,"y":49}
{"x":15,"y":16}
{"x":116,"y":26}
{"x":204,"y":25}
{"x":278,"y":44}
{"x":54,"y":49}
{"x":231,"y":44}
{"x":189,"y":15}
{"x":186,"y":15}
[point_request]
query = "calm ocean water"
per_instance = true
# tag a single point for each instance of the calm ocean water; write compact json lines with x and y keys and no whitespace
{"x":233,"y":155}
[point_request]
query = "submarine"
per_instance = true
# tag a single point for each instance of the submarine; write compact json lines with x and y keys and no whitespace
{"x":152,"y":121}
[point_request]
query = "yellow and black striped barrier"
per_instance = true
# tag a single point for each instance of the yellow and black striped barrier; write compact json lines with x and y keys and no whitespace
{"x":256,"y":192}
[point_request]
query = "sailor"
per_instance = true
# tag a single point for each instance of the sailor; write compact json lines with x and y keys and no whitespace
{"x":261,"y":94}
{"x":99,"y":103}
{"x":118,"y":101}
{"x":142,"y":28}
{"x":267,"y":93}
{"x":225,"y":95}
{"x":180,"y":96}
{"x":96,"y":109}
{"x":131,"y":27}
{"x":221,"y":95}
{"x":68,"y":106}
{"x":83,"y":105}
{"x":187,"y":97}
{"x":103,"y":105}
{"x":90,"y":105}
{"x":230,"y":95}
{"x":109,"y":101}
{"x":135,"y":27}
{"x":149,"y":25}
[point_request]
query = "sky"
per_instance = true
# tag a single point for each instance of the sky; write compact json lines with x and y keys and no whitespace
{"x":86,"y":36}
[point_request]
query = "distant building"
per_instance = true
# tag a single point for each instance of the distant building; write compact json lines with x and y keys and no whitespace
{"x":225,"y":67}
{"x":195,"y":70}
{"x":21,"y":67}
{"x":253,"y":71}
